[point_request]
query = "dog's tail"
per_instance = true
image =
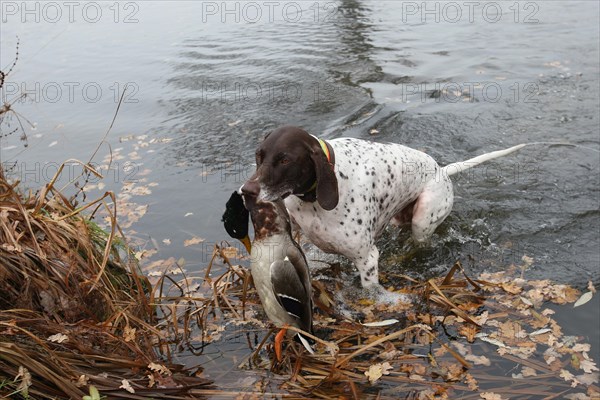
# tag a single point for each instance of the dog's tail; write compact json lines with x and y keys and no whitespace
{"x":455,"y":168}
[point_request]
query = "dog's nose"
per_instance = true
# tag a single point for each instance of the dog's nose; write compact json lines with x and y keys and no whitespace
{"x":251,"y":188}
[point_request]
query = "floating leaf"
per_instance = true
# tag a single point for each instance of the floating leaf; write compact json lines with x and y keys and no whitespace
{"x":386,"y":322}
{"x":478,"y":360}
{"x":471,"y":382}
{"x":582,"y":347}
{"x":484,"y":337}
{"x":588,"y":366}
{"x":490,"y":396}
{"x":192,"y":241}
{"x":587,"y":296}
{"x":569,"y":377}
{"x":540,"y":331}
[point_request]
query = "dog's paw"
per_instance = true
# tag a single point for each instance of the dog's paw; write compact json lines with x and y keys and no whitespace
{"x":381,"y":295}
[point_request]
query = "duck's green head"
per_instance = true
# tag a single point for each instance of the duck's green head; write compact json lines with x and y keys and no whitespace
{"x":236,"y":219}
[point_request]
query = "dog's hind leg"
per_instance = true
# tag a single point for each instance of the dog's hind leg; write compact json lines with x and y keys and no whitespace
{"x":431,"y":208}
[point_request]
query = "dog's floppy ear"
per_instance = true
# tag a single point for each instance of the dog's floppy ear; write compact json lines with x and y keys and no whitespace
{"x":327,"y":185}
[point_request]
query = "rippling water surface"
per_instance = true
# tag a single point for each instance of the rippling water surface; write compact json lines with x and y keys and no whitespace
{"x":468,"y":83}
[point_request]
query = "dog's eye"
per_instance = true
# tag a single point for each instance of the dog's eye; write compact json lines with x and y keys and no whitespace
{"x":284,"y":161}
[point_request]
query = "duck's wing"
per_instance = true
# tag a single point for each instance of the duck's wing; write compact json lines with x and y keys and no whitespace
{"x":288,"y":288}
{"x":291,"y":293}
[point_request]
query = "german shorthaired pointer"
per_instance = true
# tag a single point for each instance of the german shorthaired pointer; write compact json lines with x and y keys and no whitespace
{"x":345,"y":191}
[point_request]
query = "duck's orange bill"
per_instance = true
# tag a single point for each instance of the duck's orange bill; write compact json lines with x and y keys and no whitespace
{"x":279,"y":342}
{"x":247,"y":244}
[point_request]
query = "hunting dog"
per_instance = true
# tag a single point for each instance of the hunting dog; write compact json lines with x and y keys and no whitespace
{"x":343,"y":192}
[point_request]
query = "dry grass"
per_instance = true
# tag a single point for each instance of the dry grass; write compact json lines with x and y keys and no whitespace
{"x":74,"y":308}
{"x":489,"y":338}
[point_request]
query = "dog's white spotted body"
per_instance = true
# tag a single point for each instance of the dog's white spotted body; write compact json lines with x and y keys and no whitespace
{"x":376,"y":182}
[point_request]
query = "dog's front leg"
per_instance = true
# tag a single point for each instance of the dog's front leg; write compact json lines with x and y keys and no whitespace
{"x":368,"y":267}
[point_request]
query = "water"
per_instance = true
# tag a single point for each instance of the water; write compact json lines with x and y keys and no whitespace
{"x":488,"y":78}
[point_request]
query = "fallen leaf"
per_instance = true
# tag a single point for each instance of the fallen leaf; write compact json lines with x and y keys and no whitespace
{"x":376,"y":371}
{"x":455,"y":372}
{"x":540,"y":331}
{"x":386,"y":322}
{"x":478,"y":360}
{"x":471,"y":382}
{"x":140,"y":191}
{"x":145,"y":253}
{"x":462,"y":349}
{"x":468,"y":331}
{"x":127,"y":386}
{"x":192,"y":241}
{"x":591,"y":287}
{"x":588,"y":379}
{"x":525,"y":373}
{"x":490,"y":395}
{"x":82,"y":381}
{"x":159,"y":368}
{"x":58,"y":338}
{"x":587,"y":296}
{"x":569,"y":377}
{"x":151,"y":380}
{"x":588,"y":366}
{"x":487,"y":339}
{"x":511,"y":287}
{"x":25,"y":383}
{"x":129,"y":333}
{"x":582,"y":347}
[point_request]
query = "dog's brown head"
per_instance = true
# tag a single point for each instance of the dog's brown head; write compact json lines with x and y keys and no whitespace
{"x":291,"y":161}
